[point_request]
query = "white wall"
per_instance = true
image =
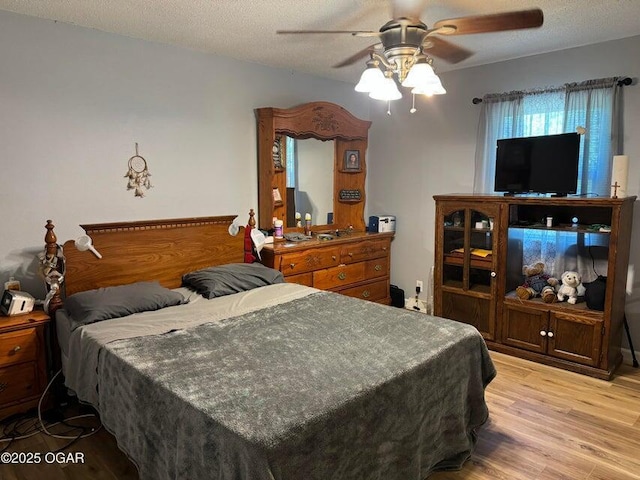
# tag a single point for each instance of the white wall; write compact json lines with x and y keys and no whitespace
{"x":415,"y":156}
{"x":74,"y":101}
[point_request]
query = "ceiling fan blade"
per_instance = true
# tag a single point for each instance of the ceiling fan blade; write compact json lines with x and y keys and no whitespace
{"x":438,"y":47}
{"x":411,"y":9}
{"x":356,"y":56}
{"x":496,"y":22}
{"x":355,"y":33}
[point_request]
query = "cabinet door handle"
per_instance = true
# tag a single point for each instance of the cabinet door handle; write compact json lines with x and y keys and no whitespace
{"x":366,"y":294}
{"x":342,"y":275}
{"x":17,"y":348}
{"x":543,"y":333}
{"x":377,"y":268}
{"x":494,"y":274}
{"x":550,"y":334}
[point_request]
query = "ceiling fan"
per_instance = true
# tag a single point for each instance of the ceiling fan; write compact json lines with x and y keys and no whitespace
{"x":406,"y":41}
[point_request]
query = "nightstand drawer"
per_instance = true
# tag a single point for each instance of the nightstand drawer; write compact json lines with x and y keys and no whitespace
{"x":19,"y":346}
{"x":18,"y":382}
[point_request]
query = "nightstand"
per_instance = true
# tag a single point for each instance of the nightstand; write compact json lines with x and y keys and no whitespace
{"x":23,"y":361}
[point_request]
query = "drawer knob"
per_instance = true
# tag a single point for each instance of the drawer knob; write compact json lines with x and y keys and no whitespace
{"x":3,"y":386}
{"x":333,"y":257}
{"x":366,"y":294}
{"x":543,"y":333}
{"x":342,"y":275}
{"x":291,"y":265}
{"x":384,"y":249}
{"x":377,"y":268}
{"x":550,"y":334}
{"x":350,"y":254}
{"x":16,"y":349}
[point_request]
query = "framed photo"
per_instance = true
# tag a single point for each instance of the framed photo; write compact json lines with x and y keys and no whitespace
{"x":351,"y":161}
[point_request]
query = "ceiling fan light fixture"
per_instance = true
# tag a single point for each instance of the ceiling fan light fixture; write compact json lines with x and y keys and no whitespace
{"x":429,"y":90}
{"x":387,"y":90}
{"x":420,"y":74}
{"x":371,"y":79}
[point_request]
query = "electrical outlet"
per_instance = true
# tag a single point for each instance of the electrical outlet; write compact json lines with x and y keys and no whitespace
{"x":418,"y":286}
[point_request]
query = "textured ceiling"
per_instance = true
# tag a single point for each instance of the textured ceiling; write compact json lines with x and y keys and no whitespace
{"x":245,"y":29}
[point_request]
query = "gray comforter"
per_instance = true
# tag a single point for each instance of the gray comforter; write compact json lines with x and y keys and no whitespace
{"x":323,"y":387}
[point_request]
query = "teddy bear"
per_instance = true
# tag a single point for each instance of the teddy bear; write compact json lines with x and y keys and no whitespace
{"x":537,"y":283}
{"x":571,"y":286}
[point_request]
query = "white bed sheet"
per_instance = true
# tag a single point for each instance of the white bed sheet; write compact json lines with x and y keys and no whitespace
{"x":84,"y":343}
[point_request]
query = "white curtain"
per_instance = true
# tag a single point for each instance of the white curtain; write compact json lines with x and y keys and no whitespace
{"x":593,"y":105}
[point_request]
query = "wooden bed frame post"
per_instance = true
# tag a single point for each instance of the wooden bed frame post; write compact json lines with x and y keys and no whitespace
{"x":51,"y":251}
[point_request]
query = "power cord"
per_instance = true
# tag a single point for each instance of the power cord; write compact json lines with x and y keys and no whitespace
{"x":16,"y":430}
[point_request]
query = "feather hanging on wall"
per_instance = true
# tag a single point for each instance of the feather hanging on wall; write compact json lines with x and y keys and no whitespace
{"x":138,"y":174}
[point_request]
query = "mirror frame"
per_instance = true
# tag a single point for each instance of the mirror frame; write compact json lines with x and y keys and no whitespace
{"x":322,"y":121}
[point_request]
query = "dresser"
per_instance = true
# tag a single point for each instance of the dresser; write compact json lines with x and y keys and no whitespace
{"x":23,"y":362}
{"x":356,"y":265}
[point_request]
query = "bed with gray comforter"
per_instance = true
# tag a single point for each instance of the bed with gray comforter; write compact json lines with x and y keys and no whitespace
{"x":313,"y":386}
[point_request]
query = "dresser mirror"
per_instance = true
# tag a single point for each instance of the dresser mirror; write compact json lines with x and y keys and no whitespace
{"x":309,"y":165}
{"x":314,"y":138}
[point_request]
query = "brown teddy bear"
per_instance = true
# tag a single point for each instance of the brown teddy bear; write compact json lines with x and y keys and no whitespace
{"x":537,"y":283}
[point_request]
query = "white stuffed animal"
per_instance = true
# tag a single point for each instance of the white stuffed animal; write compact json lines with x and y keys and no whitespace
{"x":571,"y":283}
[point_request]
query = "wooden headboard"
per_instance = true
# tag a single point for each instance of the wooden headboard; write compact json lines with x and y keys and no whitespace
{"x":161,"y":250}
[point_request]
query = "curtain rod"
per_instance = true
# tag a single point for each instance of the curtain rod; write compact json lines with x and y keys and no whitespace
{"x":621,"y":83}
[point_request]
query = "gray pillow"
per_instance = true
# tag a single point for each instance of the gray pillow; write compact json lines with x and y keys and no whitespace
{"x":231,"y":278}
{"x":115,"y":302}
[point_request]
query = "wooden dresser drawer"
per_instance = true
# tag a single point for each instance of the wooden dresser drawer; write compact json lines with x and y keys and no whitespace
{"x":370,"y":291}
{"x":364,"y":250}
{"x":301,"y":279}
{"x":19,"y":346}
{"x":339,"y":276}
{"x":309,"y":260}
{"x":18,"y":382}
{"x":378,"y":267}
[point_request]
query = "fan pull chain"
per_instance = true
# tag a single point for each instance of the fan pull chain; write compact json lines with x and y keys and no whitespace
{"x":413,"y":103}
{"x":389,"y":107}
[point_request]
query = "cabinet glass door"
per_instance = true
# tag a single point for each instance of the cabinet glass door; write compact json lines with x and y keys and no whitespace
{"x":467,"y":272}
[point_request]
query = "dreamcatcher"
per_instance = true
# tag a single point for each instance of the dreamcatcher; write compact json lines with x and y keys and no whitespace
{"x":138,"y":174}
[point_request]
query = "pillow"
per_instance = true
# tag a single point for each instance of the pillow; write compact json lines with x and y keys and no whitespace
{"x":115,"y":302}
{"x":231,"y":278}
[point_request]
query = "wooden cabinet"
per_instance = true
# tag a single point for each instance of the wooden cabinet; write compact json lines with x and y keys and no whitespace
{"x":356,"y":265}
{"x":571,"y":335}
{"x":23,"y":365}
{"x":468,"y":253}
{"x":479,"y":289}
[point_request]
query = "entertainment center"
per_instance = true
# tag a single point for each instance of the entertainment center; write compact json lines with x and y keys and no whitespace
{"x":479,"y":256}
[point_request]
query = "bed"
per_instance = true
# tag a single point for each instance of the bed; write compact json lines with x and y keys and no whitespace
{"x":274,"y":381}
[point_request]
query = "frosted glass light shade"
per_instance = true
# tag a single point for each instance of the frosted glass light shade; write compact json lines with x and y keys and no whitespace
{"x":388,"y":90}
{"x":370,"y":79}
{"x":420,"y":74}
{"x":433,"y":88}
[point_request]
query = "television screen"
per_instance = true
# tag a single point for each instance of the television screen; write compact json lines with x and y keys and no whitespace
{"x":545,"y":164}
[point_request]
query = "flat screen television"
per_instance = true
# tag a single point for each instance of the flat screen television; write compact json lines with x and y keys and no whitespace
{"x":544,"y":164}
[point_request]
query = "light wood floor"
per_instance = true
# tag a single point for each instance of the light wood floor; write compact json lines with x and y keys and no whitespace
{"x":546,"y":424}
